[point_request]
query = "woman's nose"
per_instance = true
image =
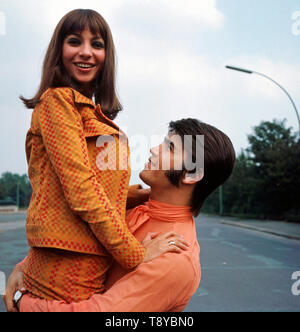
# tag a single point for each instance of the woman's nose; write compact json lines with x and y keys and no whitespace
{"x":85,"y":50}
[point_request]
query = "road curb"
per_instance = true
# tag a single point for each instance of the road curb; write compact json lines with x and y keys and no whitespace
{"x":260,"y":229}
{"x":13,"y":212}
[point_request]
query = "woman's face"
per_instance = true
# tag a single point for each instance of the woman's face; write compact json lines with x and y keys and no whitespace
{"x":83,"y":56}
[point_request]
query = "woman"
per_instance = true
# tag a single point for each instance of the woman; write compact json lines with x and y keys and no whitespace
{"x":75,"y":222}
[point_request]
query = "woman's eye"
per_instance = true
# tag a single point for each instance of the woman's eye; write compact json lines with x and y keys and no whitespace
{"x":73,"y":41}
{"x":98,"y":44}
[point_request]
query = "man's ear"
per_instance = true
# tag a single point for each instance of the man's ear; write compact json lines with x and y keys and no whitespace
{"x":192,"y":178}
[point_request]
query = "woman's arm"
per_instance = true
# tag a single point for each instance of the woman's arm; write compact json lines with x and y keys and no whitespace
{"x":14,"y":283}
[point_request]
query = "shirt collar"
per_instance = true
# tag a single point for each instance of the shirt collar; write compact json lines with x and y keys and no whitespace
{"x":172,"y":212}
{"x":158,"y":211}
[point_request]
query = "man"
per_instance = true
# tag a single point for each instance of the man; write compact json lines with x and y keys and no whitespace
{"x":168,"y":282}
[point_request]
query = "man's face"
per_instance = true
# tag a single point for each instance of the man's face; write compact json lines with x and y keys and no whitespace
{"x":167,"y":156}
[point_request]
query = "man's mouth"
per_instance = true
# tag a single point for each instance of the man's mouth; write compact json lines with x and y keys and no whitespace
{"x":150,"y":165}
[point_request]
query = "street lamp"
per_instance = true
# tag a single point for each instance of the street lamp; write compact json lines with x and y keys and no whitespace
{"x":18,"y":195}
{"x":269,"y":78}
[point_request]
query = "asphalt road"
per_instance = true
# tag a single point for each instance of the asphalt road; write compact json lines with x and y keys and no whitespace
{"x":242,"y":270}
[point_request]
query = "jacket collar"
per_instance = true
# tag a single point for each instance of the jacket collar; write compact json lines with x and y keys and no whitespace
{"x":111,"y":127}
{"x":81,"y":99}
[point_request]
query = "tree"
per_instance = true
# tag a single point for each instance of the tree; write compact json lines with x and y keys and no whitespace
{"x":274,"y":150}
{"x":2,"y":190}
{"x":239,"y":191}
{"x":265,"y":182}
{"x":11,"y":184}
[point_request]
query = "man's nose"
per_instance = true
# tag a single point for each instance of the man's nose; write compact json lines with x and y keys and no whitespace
{"x":155,"y":150}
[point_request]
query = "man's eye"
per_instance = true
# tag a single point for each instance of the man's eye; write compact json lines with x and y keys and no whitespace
{"x":170,"y":146}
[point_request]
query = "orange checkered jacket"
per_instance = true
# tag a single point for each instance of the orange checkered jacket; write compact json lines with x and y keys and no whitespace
{"x":77,"y":209}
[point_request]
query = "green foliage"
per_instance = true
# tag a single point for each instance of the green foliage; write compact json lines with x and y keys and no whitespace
{"x":266,"y":179}
{"x":11,"y":185}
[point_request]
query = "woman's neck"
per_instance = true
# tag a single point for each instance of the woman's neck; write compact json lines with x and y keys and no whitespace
{"x":85,"y":89}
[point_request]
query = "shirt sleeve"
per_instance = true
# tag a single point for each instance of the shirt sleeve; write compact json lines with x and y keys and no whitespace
{"x":64,"y":140}
{"x":164,"y":284}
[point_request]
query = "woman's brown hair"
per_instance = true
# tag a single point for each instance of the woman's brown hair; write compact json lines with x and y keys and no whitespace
{"x":54,"y":74}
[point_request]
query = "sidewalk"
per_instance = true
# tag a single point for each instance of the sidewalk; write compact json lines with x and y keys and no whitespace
{"x":12,"y":225}
{"x":20,"y":211}
{"x":280,"y":228}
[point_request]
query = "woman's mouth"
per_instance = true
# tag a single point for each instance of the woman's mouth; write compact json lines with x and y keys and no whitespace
{"x":84,"y":67}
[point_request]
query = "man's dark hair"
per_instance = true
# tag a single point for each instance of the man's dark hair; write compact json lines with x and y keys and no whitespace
{"x":219,"y":158}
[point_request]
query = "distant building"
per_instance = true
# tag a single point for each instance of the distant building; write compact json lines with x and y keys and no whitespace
{"x":8,"y":205}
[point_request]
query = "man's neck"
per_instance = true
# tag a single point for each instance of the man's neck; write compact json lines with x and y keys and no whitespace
{"x":175,"y":196}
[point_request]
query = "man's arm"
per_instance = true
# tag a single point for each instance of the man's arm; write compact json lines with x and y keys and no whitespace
{"x":161,"y":285}
{"x":137,"y":195}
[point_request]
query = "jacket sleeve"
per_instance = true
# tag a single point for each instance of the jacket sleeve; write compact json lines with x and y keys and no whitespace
{"x":63,"y":137}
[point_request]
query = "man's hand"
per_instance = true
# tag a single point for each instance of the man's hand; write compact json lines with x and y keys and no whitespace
{"x":157,"y":245}
{"x":137,"y":195}
{"x":15,"y":283}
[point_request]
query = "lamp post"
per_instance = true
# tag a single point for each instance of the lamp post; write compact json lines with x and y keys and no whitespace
{"x":18,"y":195}
{"x":221,"y":200}
{"x":247,"y":71}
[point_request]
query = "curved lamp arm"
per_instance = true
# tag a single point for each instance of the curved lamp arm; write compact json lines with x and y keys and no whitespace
{"x":269,"y":78}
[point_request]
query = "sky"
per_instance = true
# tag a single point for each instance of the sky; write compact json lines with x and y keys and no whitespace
{"x":171,"y":57}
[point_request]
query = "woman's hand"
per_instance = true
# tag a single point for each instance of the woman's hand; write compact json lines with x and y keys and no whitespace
{"x":157,"y":245}
{"x":15,"y":283}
